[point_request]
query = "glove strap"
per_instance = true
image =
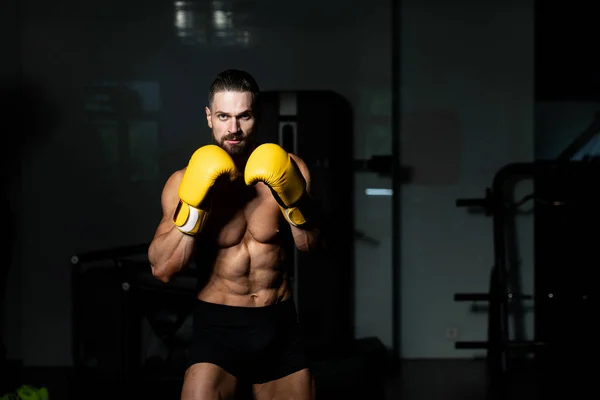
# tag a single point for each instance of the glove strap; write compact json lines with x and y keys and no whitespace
{"x":302,"y":213}
{"x":188,"y":219}
{"x":294,"y":216}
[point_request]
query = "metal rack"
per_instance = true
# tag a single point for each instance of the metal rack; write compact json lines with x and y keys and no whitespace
{"x":558,"y":191}
{"x":496,"y":204}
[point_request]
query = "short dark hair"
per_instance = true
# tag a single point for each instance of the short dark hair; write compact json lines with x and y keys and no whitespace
{"x":233,"y":80}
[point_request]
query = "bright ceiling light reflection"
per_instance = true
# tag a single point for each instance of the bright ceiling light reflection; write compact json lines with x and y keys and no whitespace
{"x":220,"y":19}
{"x":224,"y":27}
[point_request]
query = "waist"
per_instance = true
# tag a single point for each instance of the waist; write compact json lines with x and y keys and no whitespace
{"x":242,"y":296}
{"x":207,"y":313}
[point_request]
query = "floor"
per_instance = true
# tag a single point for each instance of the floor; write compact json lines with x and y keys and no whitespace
{"x":447,"y":380}
{"x":413,"y":380}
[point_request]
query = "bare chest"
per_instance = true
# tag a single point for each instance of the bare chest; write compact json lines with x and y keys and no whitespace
{"x":241,"y":213}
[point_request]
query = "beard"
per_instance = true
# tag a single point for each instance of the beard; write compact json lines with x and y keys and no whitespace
{"x":235,"y":149}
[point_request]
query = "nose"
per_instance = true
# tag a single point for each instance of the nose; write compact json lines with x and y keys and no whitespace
{"x":233,"y":125}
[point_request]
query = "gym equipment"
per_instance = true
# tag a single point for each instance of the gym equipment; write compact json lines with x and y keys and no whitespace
{"x":121,"y":312}
{"x":325,"y":144}
{"x":566,"y":198}
{"x":496,"y":204}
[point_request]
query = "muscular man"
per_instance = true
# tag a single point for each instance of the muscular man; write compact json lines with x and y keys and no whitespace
{"x":232,"y":207}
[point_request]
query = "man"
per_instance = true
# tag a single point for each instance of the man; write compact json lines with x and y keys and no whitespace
{"x":233,"y":206}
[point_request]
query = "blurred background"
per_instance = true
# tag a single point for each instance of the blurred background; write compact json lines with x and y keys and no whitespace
{"x":400,"y":108}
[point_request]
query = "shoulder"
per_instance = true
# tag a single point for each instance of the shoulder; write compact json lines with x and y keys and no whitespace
{"x":173,"y":182}
{"x":300,"y":163}
{"x":302,"y":167}
{"x":296,"y":158}
{"x":176,"y":176}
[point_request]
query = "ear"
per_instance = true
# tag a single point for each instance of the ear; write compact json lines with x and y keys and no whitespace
{"x":208,"y":117}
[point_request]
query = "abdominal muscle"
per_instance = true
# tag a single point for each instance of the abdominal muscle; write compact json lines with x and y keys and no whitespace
{"x":247,"y":275}
{"x":244,"y":250}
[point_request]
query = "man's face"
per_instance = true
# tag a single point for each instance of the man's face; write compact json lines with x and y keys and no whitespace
{"x":232,"y":121}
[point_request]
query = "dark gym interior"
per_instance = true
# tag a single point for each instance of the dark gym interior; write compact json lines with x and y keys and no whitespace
{"x":452,"y":146}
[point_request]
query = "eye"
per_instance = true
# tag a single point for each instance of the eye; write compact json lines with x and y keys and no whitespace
{"x":222,"y":117}
{"x":246,"y":117}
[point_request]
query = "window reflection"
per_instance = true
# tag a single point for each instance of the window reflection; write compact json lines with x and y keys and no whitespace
{"x":221,"y":19}
{"x":213,"y":22}
{"x":123,"y":117}
{"x":190,"y":22}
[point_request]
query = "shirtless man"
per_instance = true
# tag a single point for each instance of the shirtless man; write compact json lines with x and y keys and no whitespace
{"x":232,"y":206}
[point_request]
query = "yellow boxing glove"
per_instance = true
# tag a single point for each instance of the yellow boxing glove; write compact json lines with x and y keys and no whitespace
{"x":271,"y":164}
{"x":206,"y":165}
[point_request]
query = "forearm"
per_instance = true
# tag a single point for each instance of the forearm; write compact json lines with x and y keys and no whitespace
{"x":305,"y":239}
{"x":308,"y":235}
{"x":170,"y":252}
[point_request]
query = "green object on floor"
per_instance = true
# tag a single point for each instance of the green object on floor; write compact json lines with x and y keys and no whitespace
{"x":27,"y":392}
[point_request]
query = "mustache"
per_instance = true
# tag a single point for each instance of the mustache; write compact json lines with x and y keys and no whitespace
{"x":233,"y":136}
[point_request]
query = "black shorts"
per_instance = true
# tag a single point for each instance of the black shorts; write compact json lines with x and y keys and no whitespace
{"x":254,"y":344}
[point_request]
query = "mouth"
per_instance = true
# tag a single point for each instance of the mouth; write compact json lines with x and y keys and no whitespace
{"x":233,"y":141}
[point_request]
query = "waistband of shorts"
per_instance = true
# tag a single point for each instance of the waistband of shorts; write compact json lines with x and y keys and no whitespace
{"x":235,"y":315}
